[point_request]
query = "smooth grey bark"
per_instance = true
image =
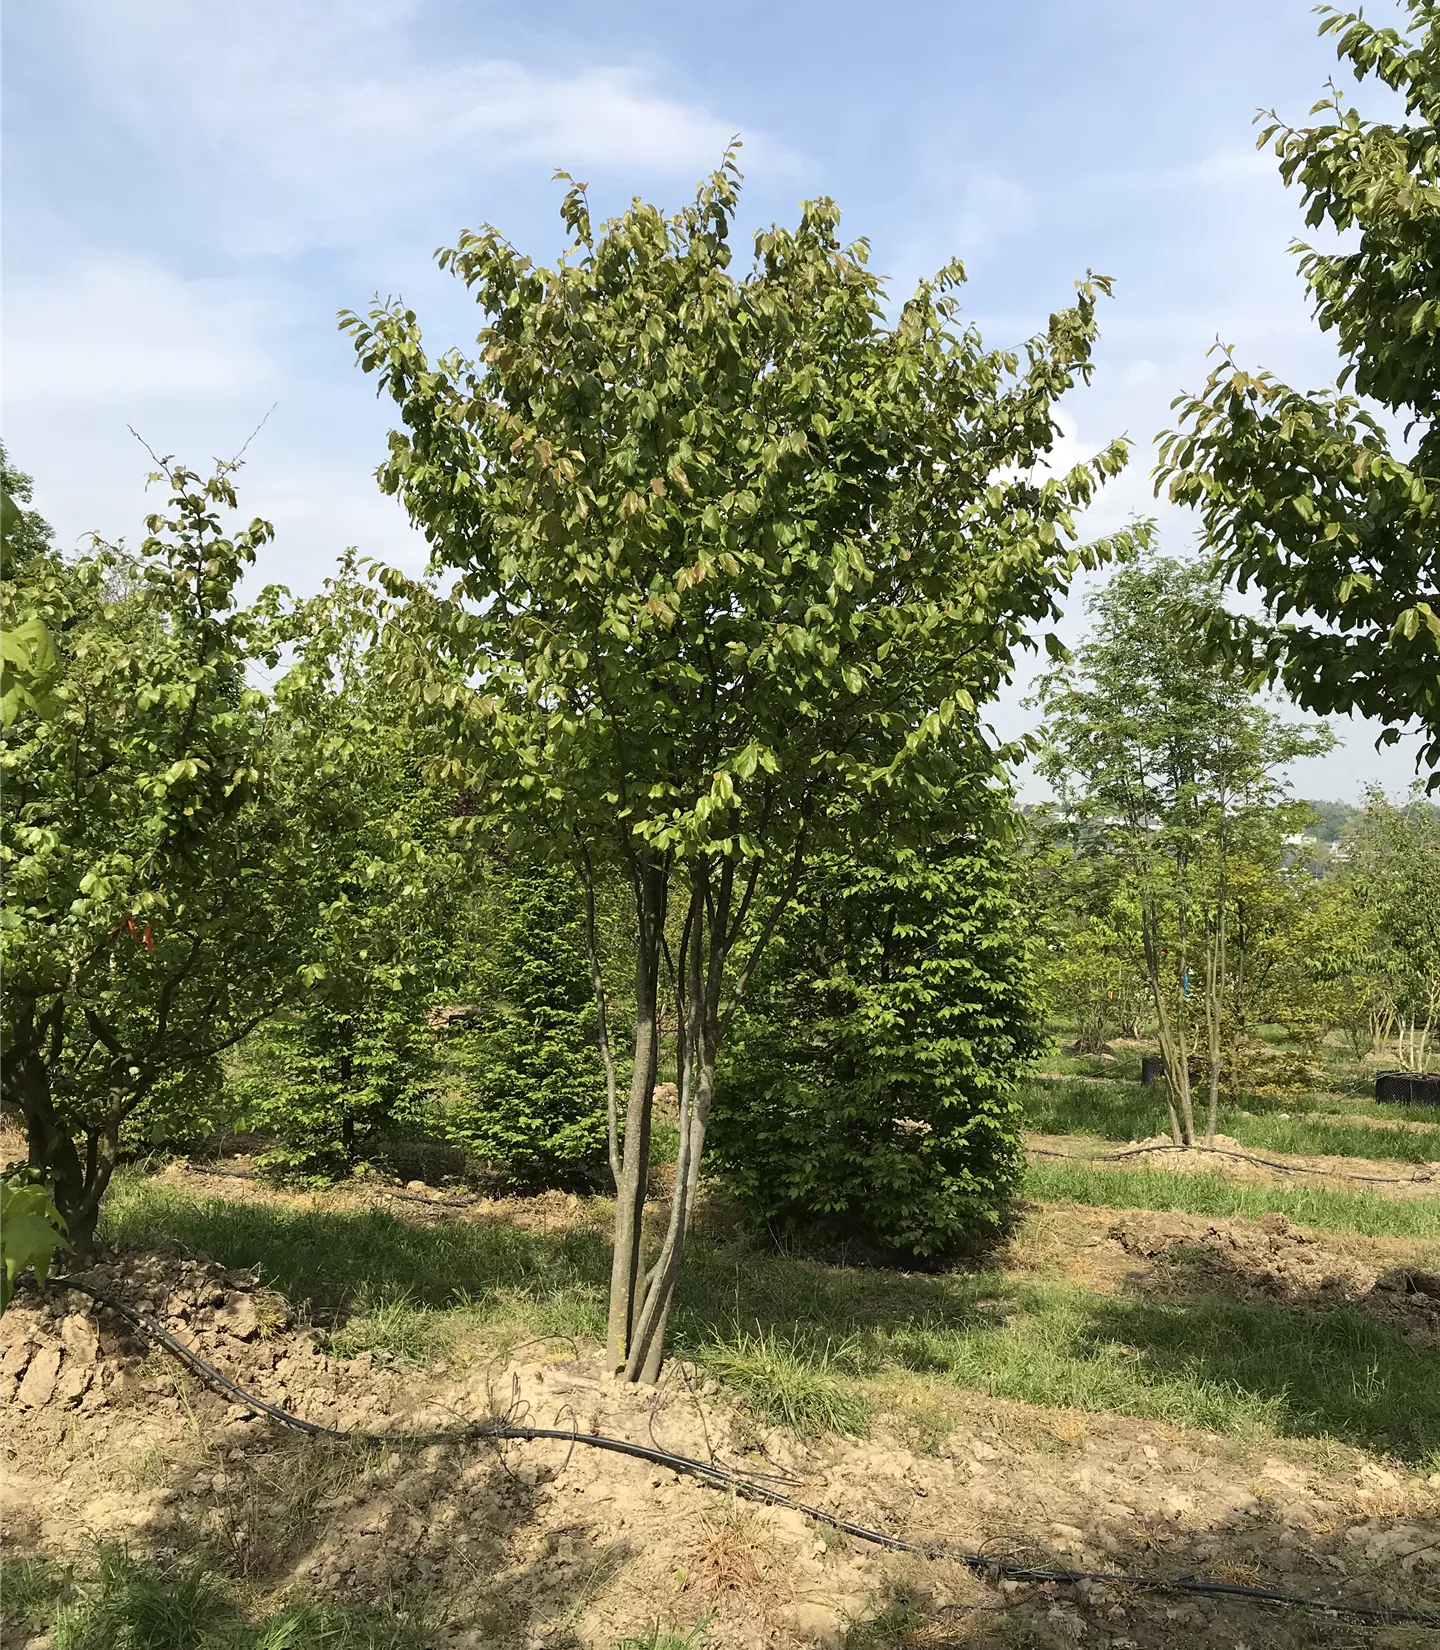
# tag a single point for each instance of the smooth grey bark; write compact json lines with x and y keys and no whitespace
{"x":630,"y":1187}
{"x":715,"y":919}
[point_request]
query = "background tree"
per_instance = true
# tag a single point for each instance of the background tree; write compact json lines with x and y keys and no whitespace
{"x":1169,"y":767}
{"x":867,"y":1093}
{"x":159,"y":878}
{"x":351,"y":1059}
{"x":1308,"y":496}
{"x":1091,"y":973}
{"x":24,"y":534}
{"x":1394,"y":872}
{"x":726,"y":547}
{"x":531,"y":1099}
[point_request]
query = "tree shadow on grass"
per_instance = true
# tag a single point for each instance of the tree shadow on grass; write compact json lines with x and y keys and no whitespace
{"x":332,"y":1257}
{"x":1223,"y":1364}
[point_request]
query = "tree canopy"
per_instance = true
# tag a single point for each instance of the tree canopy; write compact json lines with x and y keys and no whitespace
{"x":160,"y":874}
{"x":725,"y":548}
{"x":1325,"y":502}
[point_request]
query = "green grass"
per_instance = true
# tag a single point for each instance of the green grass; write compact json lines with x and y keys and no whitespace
{"x":1322,"y":1207}
{"x":390,"y":1325}
{"x":124,"y":1604}
{"x":30,"y":1590}
{"x":1114,"y":1109}
{"x":801,"y":1340}
{"x":1250,"y":1369}
{"x":657,"y":1637}
{"x":355,"y":1260}
{"x":793,"y":1380}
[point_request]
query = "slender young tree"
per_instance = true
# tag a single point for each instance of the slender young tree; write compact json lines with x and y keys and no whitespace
{"x":725,"y":546}
{"x":1166,"y":760}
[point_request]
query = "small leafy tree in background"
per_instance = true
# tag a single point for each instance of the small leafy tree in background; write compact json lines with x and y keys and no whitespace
{"x":350,"y":1060}
{"x":532,"y":1095}
{"x":24,"y":533}
{"x":726,"y":547}
{"x":867,"y":1093}
{"x":1304,"y":495}
{"x":1089,"y":971}
{"x":1394,"y":872}
{"x":160,"y":876}
{"x":1168,"y":767}
{"x":1321,"y":973}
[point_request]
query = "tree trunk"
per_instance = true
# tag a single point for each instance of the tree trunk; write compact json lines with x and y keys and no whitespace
{"x":650,"y":888}
{"x":702,"y":962}
{"x":1173,"y":1052}
{"x":77,"y":1184}
{"x":1215,"y":982}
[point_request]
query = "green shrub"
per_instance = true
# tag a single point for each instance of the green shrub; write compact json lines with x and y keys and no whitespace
{"x":867,"y":1093}
{"x":328,"y":1082}
{"x":533,"y":1094}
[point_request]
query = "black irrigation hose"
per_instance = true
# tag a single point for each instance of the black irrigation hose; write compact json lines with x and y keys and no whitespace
{"x":1416,"y":1179}
{"x":723,"y":1478}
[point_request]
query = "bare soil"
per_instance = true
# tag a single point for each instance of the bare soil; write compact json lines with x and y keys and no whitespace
{"x":539,"y":1545}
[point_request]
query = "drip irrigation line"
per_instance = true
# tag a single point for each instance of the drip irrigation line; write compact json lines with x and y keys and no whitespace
{"x":1419,"y":1178}
{"x":719,"y":1477}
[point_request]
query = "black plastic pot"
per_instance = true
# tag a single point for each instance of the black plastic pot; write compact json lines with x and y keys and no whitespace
{"x":1408,"y":1088}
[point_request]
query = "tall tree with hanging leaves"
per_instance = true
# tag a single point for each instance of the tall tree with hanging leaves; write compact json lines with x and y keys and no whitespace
{"x":1308,"y":496}
{"x":723,"y":547}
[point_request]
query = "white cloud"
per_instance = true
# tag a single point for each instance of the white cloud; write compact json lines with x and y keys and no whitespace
{"x":317,"y":125}
{"x":121,"y":329}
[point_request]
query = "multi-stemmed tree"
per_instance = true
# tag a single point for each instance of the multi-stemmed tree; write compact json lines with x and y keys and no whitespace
{"x":1171,"y":771}
{"x":725,"y":548}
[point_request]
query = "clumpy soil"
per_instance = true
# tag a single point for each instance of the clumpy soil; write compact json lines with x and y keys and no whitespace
{"x":556,"y":1544}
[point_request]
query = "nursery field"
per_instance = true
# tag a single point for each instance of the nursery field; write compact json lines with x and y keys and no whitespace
{"x":1225,"y":1369}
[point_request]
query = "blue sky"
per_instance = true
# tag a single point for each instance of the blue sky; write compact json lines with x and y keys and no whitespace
{"x":192,"y":190}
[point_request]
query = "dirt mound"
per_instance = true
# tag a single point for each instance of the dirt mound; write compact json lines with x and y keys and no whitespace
{"x":62,"y":1350}
{"x":555,"y":1546}
{"x":1270,"y":1257}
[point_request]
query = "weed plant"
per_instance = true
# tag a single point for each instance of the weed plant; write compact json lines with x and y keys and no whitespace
{"x":654,"y":1636}
{"x":120,"y":1603}
{"x":795,"y":1380}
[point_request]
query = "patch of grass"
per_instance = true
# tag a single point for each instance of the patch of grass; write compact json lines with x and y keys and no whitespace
{"x":331,"y":1256}
{"x":388,"y":1323}
{"x":1212,"y":1194}
{"x":32,"y":1589}
{"x":655,"y":1637}
{"x":124,"y":1604}
{"x":160,"y":1606}
{"x":1247,"y":1369}
{"x":792,"y":1380}
{"x":1113,"y":1109}
{"x":901,"y":1617}
{"x":1240,"y":1368}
